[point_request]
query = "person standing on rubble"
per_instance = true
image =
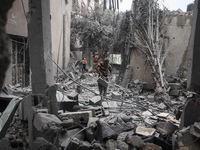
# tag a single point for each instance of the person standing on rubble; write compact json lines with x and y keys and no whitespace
{"x":96,"y":60}
{"x":84,"y":62}
{"x":104,"y":69}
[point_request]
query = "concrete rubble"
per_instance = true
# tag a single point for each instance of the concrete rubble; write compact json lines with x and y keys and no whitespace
{"x":85,"y":121}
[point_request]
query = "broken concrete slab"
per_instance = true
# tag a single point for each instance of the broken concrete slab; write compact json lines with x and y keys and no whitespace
{"x":136,"y":141}
{"x":145,"y":131}
{"x":111,"y":144}
{"x":96,"y":100}
{"x":43,"y":122}
{"x":116,"y":95}
{"x":7,"y":116}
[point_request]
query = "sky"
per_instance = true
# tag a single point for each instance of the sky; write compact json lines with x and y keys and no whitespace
{"x":170,"y":4}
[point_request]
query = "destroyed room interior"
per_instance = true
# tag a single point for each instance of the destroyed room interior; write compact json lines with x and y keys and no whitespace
{"x":99,"y":75}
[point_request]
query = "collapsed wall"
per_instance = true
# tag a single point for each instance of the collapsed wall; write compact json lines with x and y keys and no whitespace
{"x":176,"y":42}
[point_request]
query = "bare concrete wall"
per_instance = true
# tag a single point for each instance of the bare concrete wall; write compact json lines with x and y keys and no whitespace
{"x":176,"y":41}
{"x":178,"y":34}
{"x":16,"y":23}
{"x":141,"y":69}
{"x":59,"y":8}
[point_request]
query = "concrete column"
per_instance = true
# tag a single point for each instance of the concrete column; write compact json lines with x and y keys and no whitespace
{"x":194,"y":50}
{"x":39,"y":34}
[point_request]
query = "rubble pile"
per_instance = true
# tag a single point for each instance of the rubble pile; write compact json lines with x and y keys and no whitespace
{"x":73,"y":116}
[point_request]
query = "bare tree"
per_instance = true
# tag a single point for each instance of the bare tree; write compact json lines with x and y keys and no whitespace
{"x":149,"y":39}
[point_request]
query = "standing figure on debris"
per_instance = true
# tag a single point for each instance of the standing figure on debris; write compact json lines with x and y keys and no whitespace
{"x":96,"y":60}
{"x":84,"y":62}
{"x":104,"y":70}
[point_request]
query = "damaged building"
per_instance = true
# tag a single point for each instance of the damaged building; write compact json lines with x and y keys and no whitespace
{"x":49,"y":103}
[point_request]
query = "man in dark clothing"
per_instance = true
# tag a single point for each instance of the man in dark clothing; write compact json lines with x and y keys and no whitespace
{"x":104,"y":70}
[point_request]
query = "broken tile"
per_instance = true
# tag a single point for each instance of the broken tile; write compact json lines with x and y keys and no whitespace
{"x":145,"y":131}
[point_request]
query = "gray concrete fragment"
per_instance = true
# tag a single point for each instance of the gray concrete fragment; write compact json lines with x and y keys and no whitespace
{"x":136,"y":141}
{"x":162,"y":106}
{"x":145,"y":131}
{"x":43,"y":122}
{"x":111,"y":144}
{"x":122,"y":145}
{"x":123,"y":136}
{"x":116,"y":95}
{"x":150,"y":98}
{"x":95,"y":100}
{"x":73,"y":95}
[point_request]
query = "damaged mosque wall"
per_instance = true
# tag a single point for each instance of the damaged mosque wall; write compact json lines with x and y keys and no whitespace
{"x":176,"y":43}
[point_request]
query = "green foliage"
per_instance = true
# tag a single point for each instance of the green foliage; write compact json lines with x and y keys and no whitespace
{"x":94,"y":29}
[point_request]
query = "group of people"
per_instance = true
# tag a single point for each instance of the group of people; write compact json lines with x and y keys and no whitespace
{"x":102,"y":68}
